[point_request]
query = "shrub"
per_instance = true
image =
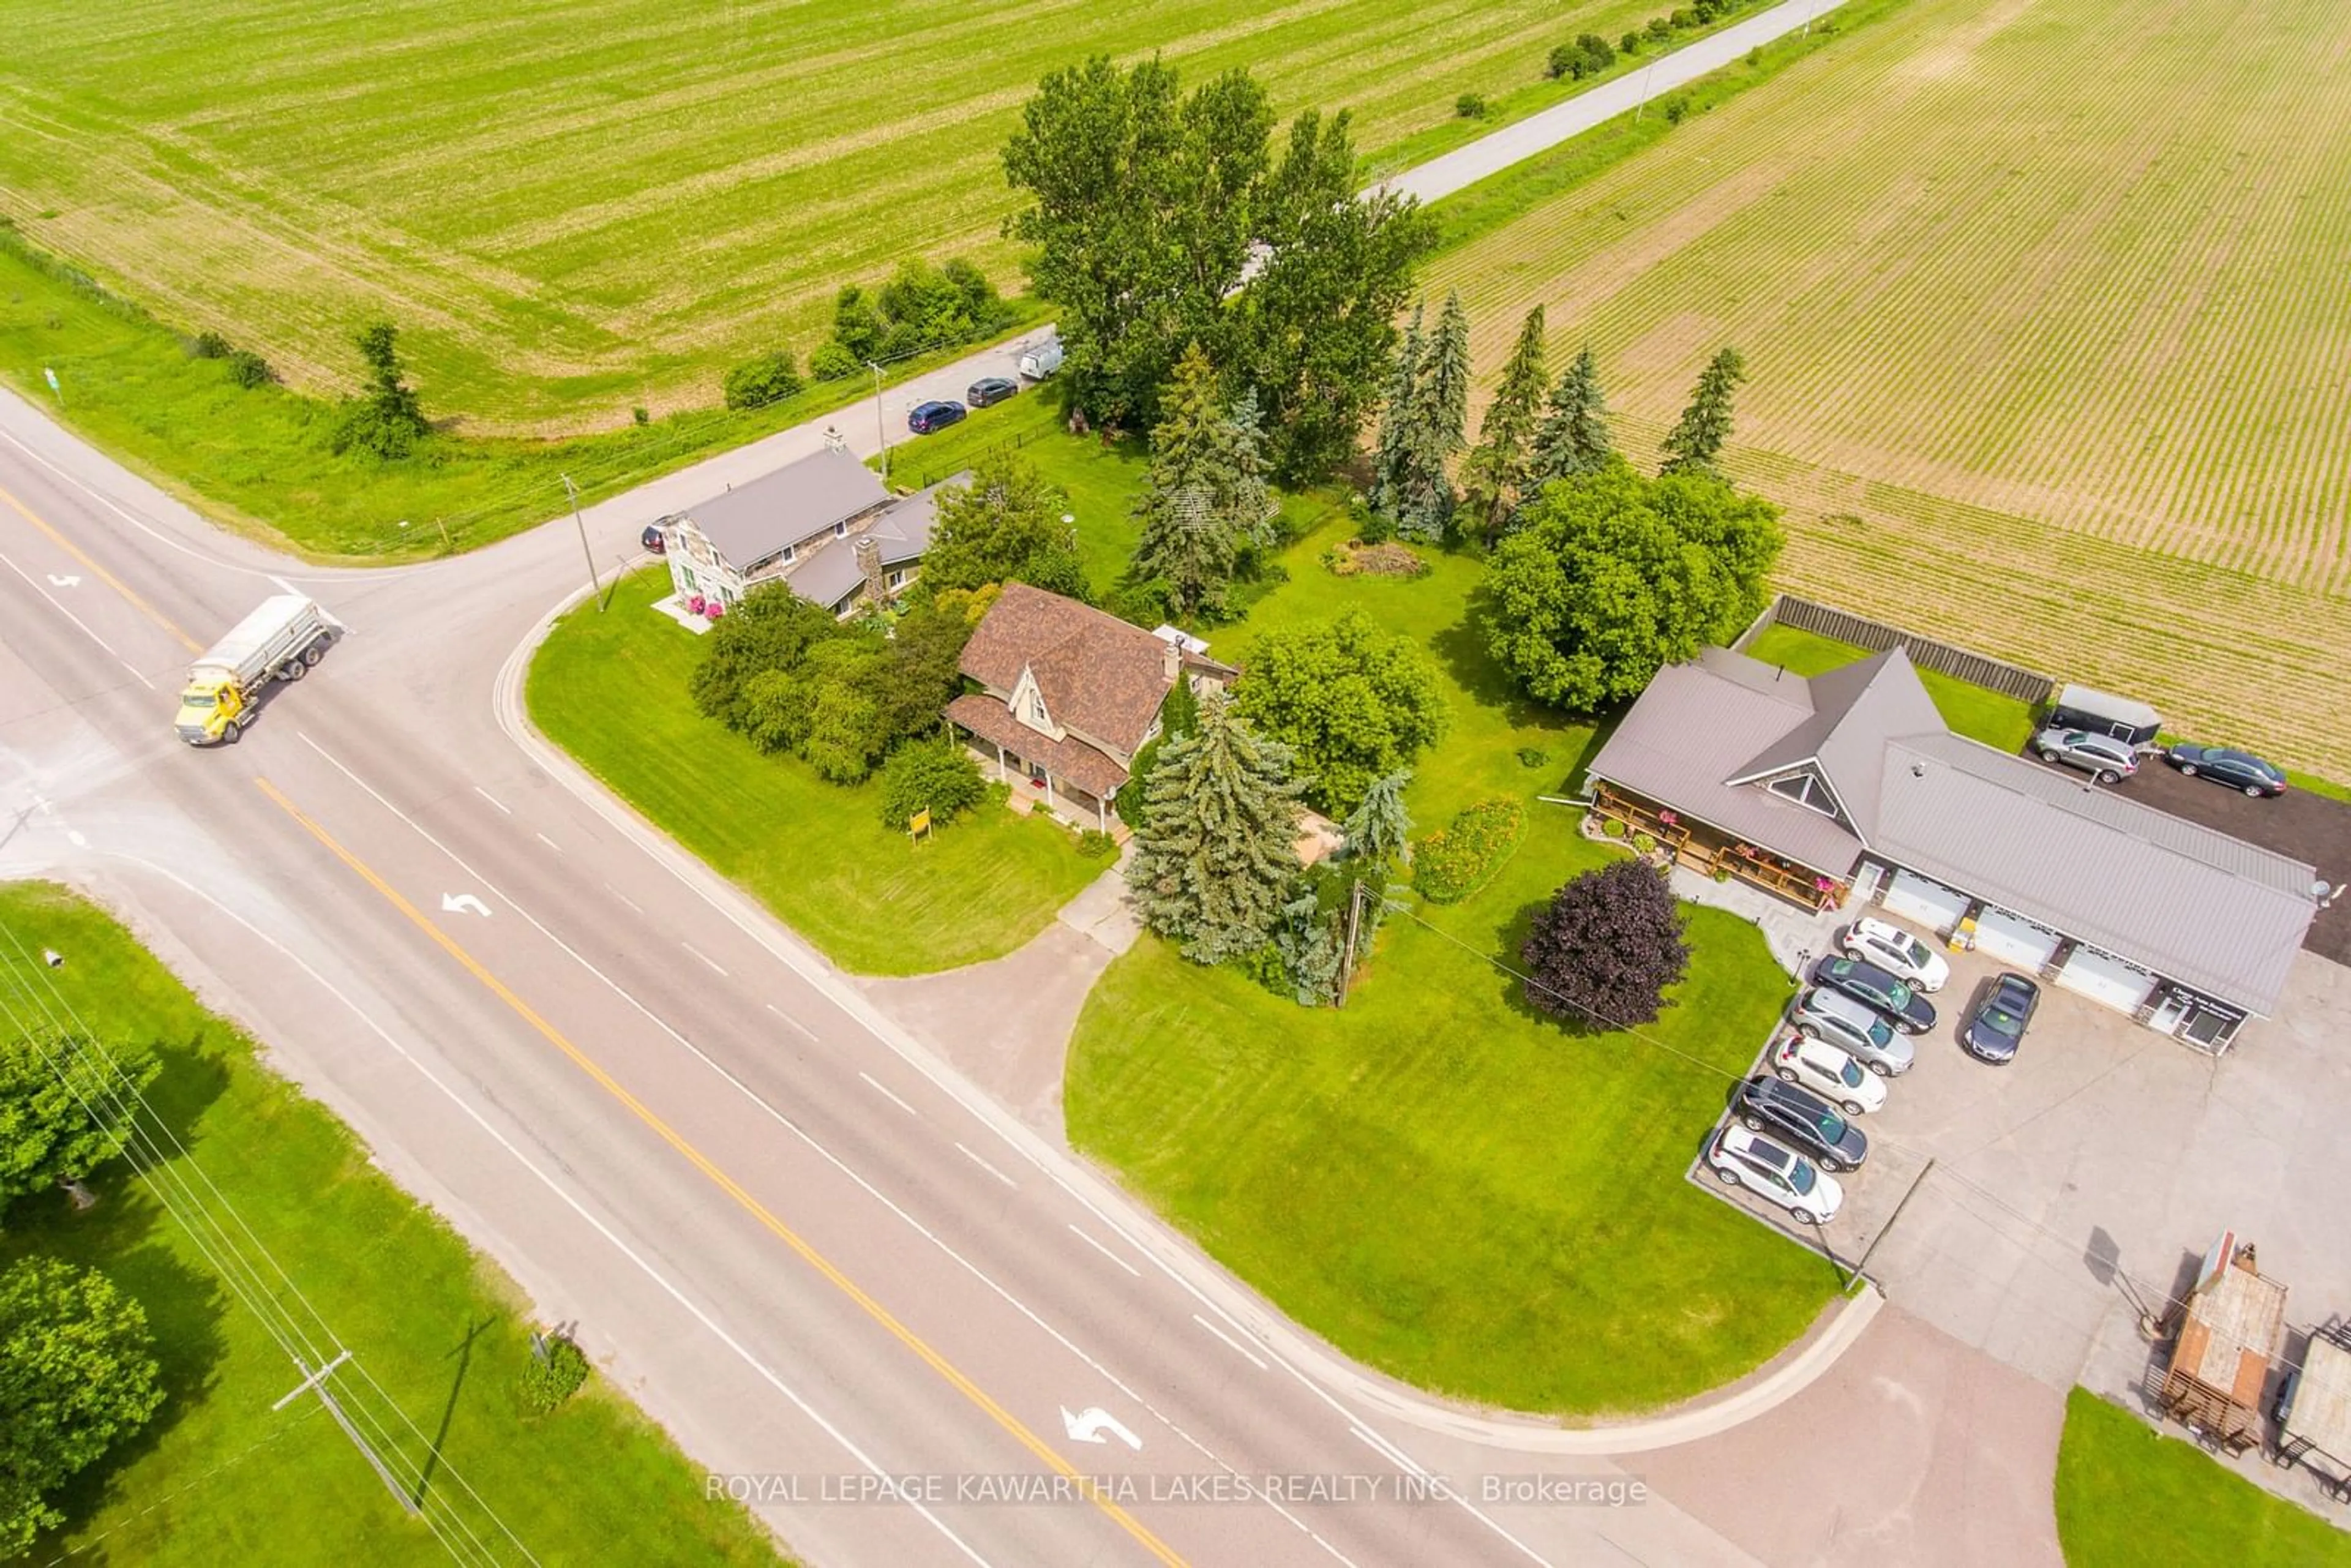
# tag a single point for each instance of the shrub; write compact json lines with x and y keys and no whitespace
{"x":1096,"y":845}
{"x":1470,"y":106}
{"x":1643,"y":844}
{"x":249,"y":369}
{"x":553,"y":1375}
{"x":1532,"y":757}
{"x":1596,"y":55}
{"x":1564,"y":61}
{"x":1630,"y":44}
{"x":640,"y":414}
{"x":1660,"y":30}
{"x":208,"y":346}
{"x":1722,"y":873}
{"x":1683,"y":20}
{"x":758,"y":381}
{"x":1452,"y":863}
{"x":936,"y":776}
{"x":834,"y":362}
{"x":1601,"y":955}
{"x":1676,"y":110}
{"x":1612,"y":826}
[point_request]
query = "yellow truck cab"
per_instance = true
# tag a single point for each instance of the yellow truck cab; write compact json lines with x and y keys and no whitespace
{"x":282,"y":639}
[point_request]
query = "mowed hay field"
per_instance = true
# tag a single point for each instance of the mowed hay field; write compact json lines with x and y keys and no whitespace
{"x":2046,"y":309}
{"x":574,"y":206}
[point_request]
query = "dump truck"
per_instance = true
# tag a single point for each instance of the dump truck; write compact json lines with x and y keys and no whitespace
{"x":280,"y":640}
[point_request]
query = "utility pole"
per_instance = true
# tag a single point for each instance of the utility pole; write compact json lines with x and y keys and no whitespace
{"x":594,"y":587}
{"x":881,"y":426}
{"x":316,"y":1383}
{"x":1347,"y":960}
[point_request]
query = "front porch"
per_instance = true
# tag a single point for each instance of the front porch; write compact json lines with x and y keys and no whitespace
{"x":1035,"y":787}
{"x":1707,"y":851}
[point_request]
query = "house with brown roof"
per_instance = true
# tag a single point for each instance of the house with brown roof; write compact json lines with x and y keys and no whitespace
{"x":825,"y":525}
{"x":1849,"y":786}
{"x":1068,"y":696}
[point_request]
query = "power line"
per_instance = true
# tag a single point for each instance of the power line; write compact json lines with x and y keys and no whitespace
{"x":162,"y":1169}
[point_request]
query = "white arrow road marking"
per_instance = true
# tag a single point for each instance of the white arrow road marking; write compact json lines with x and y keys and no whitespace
{"x":458,"y":903}
{"x":1089,"y":1425}
{"x":66,"y":582}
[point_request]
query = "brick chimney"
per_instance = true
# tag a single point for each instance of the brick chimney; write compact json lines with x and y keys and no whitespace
{"x":1171,"y":661}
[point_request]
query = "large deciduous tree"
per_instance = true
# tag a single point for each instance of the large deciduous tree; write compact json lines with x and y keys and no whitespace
{"x":1218,"y":851}
{"x":1574,"y":437}
{"x":78,"y":1374}
{"x":1697,"y":438}
{"x":389,"y":421}
{"x":1352,"y":701}
{"x":771,"y":629}
{"x":1004,"y":524}
{"x":1601,"y":952}
{"x":1612,"y":575}
{"x":67,"y":1105}
{"x":1496,"y":476}
{"x":1162,"y":219}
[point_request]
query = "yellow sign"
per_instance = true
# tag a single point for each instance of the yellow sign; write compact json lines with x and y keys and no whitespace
{"x":919,"y":823}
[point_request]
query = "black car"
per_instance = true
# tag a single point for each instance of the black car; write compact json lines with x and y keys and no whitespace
{"x":2226,"y":765}
{"x":652,"y":539}
{"x":930,"y":416}
{"x":1904,"y":1008}
{"x":1996,"y":1027}
{"x":990,"y":390}
{"x":1803,"y":1119}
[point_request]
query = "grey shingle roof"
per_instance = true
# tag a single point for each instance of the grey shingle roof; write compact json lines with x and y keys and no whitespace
{"x":797,"y":502}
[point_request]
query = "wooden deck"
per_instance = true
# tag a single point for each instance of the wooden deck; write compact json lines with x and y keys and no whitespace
{"x":2234,"y":1321}
{"x":1705,"y":850}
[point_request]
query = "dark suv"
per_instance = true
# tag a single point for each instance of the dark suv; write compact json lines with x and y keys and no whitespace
{"x":1803,"y":1119}
{"x":990,"y":390}
{"x":929,"y":416}
{"x":1904,"y":1008}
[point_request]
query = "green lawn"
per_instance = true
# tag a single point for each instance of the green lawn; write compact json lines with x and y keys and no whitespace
{"x":2127,"y":1496}
{"x":218,"y":1476}
{"x":1441,"y":1182}
{"x":610,"y":688}
{"x":1977,"y":712}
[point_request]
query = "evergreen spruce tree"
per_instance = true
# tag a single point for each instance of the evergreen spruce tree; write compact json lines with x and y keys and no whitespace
{"x":1250,"y":502}
{"x":1308,"y":942}
{"x":1189,"y":539}
{"x":1573,"y":438}
{"x":1376,"y":829}
{"x":1495,"y":477}
{"x":1692,"y":445}
{"x":1217,"y":854}
{"x":1440,"y":415}
{"x":1395,"y":418}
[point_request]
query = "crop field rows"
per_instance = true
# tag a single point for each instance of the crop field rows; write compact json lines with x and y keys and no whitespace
{"x":601,"y":203}
{"x":2048,"y":295}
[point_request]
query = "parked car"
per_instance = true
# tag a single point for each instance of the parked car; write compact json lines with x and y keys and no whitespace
{"x":1908,"y":1011}
{"x":653,"y":539}
{"x":1042,"y":360}
{"x":1825,"y":1070}
{"x":1798,"y":1116}
{"x":2226,"y":765}
{"x":1898,"y":953}
{"x":1854,"y":1027}
{"x":990,"y":390}
{"x":1996,"y":1027}
{"x":2105,"y":758}
{"x":937,"y":415}
{"x":1778,"y":1175}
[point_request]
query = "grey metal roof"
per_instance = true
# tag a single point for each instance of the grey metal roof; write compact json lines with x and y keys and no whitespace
{"x":794,"y":504}
{"x":2171,"y":895}
{"x":2192,"y":905}
{"x":826,"y":576}
{"x":903,"y":532}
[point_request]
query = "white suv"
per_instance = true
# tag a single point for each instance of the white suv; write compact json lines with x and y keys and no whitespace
{"x":1899,"y":953}
{"x":1829,"y":1072}
{"x":1776,"y":1174}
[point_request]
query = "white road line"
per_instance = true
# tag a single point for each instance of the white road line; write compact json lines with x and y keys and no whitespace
{"x":1105,"y":1252}
{"x":986,"y":1166}
{"x":623,"y":897}
{"x":493,"y":800}
{"x":878,"y":1088}
{"x":675,"y":1294}
{"x":1389,"y":1452}
{"x":793,"y":1021}
{"x":550,"y":843}
{"x":135,"y":673}
{"x":1244,"y":1351}
{"x":703,"y":956}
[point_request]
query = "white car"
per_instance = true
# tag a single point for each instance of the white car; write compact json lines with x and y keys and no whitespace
{"x":1829,"y":1072}
{"x":1775,"y":1173}
{"x":1894,"y":950}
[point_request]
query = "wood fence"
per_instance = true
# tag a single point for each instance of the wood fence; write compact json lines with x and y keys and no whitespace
{"x":1961,"y":663}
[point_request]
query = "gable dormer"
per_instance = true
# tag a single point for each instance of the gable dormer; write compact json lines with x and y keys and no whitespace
{"x":1810,"y":787}
{"x":1028,"y":705}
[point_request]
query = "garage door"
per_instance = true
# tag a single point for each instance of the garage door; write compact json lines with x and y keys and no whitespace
{"x":2013,"y":939}
{"x":2103,"y":978}
{"x":1930,"y":904}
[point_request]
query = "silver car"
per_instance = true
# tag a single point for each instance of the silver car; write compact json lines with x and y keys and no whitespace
{"x":2105,"y":758}
{"x":1853,"y":1027}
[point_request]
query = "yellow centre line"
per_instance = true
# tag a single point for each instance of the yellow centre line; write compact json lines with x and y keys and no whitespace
{"x":104,"y":576}
{"x":726,"y":1184}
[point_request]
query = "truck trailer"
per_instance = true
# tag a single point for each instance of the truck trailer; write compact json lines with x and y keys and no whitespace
{"x":280,"y":641}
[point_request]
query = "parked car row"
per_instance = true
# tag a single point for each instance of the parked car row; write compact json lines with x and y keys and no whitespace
{"x":2105,"y":736}
{"x":1792,"y":1127}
